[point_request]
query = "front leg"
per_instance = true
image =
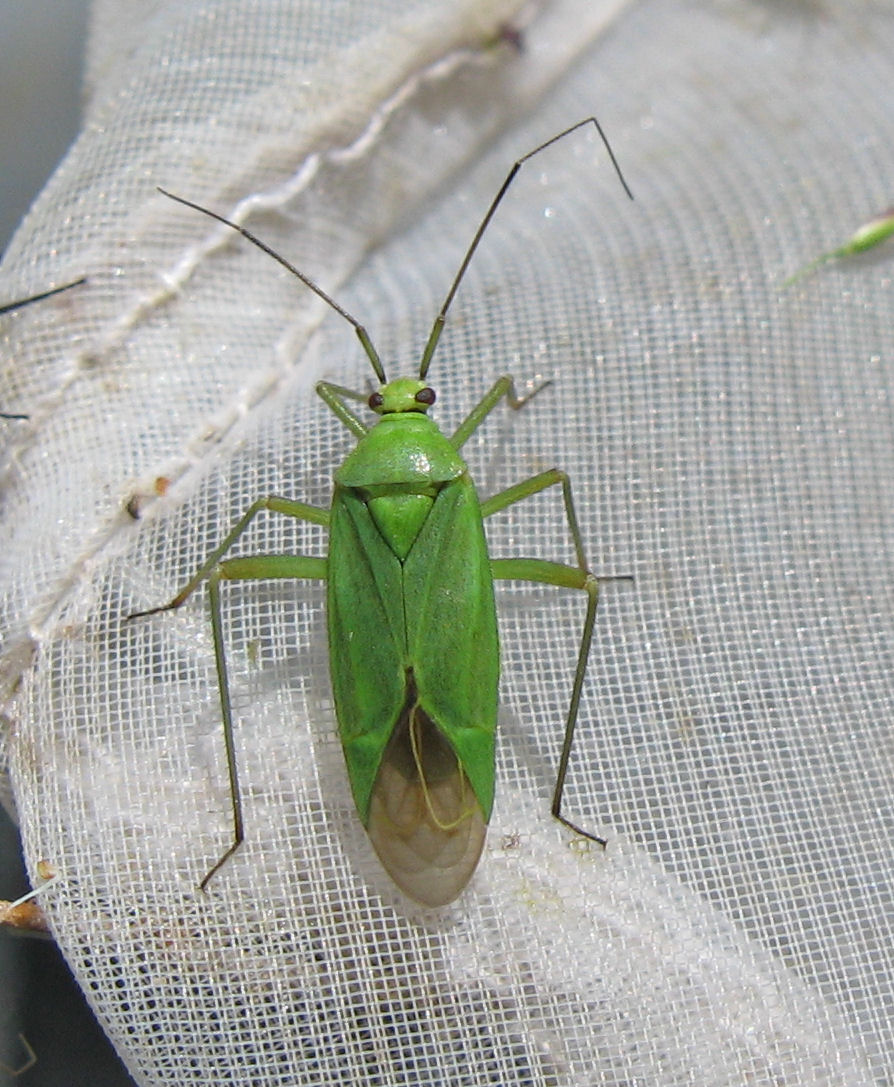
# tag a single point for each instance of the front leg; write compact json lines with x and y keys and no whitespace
{"x":503,"y":386}
{"x":333,"y":397}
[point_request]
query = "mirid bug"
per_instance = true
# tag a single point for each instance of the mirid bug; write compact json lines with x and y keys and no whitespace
{"x":866,"y":237}
{"x":412,"y":628}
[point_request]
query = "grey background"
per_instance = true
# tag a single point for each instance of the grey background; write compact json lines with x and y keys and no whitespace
{"x":41,"y":49}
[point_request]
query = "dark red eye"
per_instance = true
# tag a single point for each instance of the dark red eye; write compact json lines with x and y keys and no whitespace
{"x":425,"y":396}
{"x":376,"y":400}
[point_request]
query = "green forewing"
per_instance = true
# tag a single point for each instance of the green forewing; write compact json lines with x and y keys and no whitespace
{"x":366,"y":639}
{"x":434,"y":614}
{"x":452,"y":631}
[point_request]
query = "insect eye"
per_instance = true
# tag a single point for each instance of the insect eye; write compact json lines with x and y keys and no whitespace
{"x":425,"y":396}
{"x":376,"y":400}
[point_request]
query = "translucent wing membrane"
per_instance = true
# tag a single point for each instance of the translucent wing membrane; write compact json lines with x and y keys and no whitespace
{"x":425,"y":822}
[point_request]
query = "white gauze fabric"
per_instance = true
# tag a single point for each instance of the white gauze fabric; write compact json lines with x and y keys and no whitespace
{"x":731,"y":445}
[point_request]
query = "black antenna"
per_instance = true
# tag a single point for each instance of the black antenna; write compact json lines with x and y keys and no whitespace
{"x":438,"y":326}
{"x":362,"y":334}
{"x":9,"y":307}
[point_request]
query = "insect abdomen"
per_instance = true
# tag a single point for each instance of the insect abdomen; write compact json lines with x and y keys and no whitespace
{"x":425,"y":822}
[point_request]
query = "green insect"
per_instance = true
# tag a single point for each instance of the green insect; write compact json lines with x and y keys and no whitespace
{"x":869,"y":235}
{"x":413,"y":644}
{"x":9,"y":307}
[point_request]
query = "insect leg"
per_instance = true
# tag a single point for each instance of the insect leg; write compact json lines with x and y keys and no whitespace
{"x":552,"y":573}
{"x":332,"y":395}
{"x":503,"y":386}
{"x":562,"y":575}
{"x":532,"y":486}
{"x":299,"y":510}
{"x":249,"y":568}
{"x":29,"y":1062}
